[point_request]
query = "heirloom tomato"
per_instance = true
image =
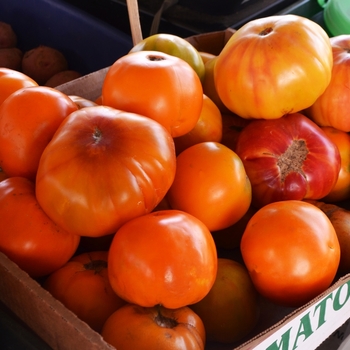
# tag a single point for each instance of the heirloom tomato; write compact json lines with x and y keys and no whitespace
{"x":272,"y":66}
{"x":231,"y":309}
{"x":341,"y":190}
{"x":157,"y":328}
{"x":288,"y":158}
{"x":167,"y":257}
{"x":175,"y":46}
{"x":102,"y":168}
{"x":11,"y":81}
{"x":211,"y":184}
{"x":208,"y":127}
{"x":82,"y":285}
{"x":27,"y":235}
{"x":157,"y":85}
{"x":28,"y":119}
{"x":332,"y":107}
{"x":291,"y":251}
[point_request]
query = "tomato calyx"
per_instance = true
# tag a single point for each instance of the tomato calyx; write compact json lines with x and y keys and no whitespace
{"x":155,"y":58}
{"x":266,"y":31}
{"x":164,"y":321}
{"x":97,"y":135}
{"x":96,"y":265}
{"x":293,"y":158}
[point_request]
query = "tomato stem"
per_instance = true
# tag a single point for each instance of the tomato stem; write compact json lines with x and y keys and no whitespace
{"x":96,"y":265}
{"x":266,"y":31}
{"x":164,"y":321}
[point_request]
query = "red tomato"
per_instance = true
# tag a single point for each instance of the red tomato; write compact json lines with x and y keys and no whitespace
{"x":27,"y":236}
{"x":231,"y":309}
{"x":11,"y":81}
{"x":272,"y":66}
{"x":211,"y":184}
{"x":82,"y":285}
{"x":291,"y":251}
{"x":288,"y":158}
{"x":28,"y":120}
{"x":157,"y":85}
{"x":102,"y":168}
{"x":167,"y":257}
{"x":332,"y":107}
{"x":139,"y":328}
{"x":341,"y":190}
{"x":208,"y":127}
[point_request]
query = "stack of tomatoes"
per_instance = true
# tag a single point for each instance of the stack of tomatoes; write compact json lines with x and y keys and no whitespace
{"x":182,"y":150}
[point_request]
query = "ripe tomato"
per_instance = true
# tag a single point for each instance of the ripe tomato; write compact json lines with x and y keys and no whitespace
{"x":82,"y":285}
{"x":341,"y":190}
{"x":28,"y":120}
{"x":211,"y":184}
{"x":208,"y":127}
{"x":332,"y":107}
{"x":139,"y":328}
{"x":291,"y":251}
{"x":158,"y":86}
{"x":167,"y":257}
{"x":27,"y":236}
{"x":102,"y":168}
{"x":288,"y":158}
{"x":11,"y":81}
{"x":231,"y":309}
{"x":272,"y":66}
{"x":82,"y":102}
{"x":175,"y":46}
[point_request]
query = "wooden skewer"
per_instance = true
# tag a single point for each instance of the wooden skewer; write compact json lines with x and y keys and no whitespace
{"x":134,"y":18}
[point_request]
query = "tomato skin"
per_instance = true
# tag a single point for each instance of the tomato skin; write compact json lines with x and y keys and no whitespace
{"x":288,"y":158}
{"x":167,"y":257}
{"x":341,"y":190}
{"x":332,"y":107}
{"x":175,"y":46}
{"x":27,"y":236}
{"x":28,"y":120}
{"x":291,"y":251}
{"x":253,"y":88}
{"x":82,"y":285}
{"x":158,"y":86}
{"x":11,"y":81}
{"x":138,"y":328}
{"x":211,"y":184}
{"x":126,"y":161}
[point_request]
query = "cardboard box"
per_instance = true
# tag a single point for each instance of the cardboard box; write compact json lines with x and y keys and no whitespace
{"x":322,"y":323}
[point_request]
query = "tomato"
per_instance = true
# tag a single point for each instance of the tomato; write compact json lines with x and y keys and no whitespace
{"x":206,"y":56}
{"x":82,"y":285}
{"x":11,"y":81}
{"x":102,"y":168}
{"x":81,"y":101}
{"x":175,"y":46}
{"x":291,"y":251}
{"x":272,"y":66}
{"x":231,"y":309}
{"x":3,"y":175}
{"x":135,"y":327}
{"x":27,"y":236}
{"x":158,"y":86}
{"x":341,"y":190}
{"x":28,"y":120}
{"x":288,"y":158}
{"x":167,"y":257}
{"x":332,"y":107}
{"x":211,"y":184}
{"x":208,"y":127}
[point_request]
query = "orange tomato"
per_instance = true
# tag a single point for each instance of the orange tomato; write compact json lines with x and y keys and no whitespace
{"x":27,"y":235}
{"x":211,"y":184}
{"x":254,"y":88}
{"x":139,"y":328}
{"x":341,"y":190}
{"x":167,"y":257}
{"x":208,"y":127}
{"x":157,"y":85}
{"x":291,"y":251}
{"x":82,"y":285}
{"x":11,"y":81}
{"x":28,"y":120}
{"x":81,"y":101}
